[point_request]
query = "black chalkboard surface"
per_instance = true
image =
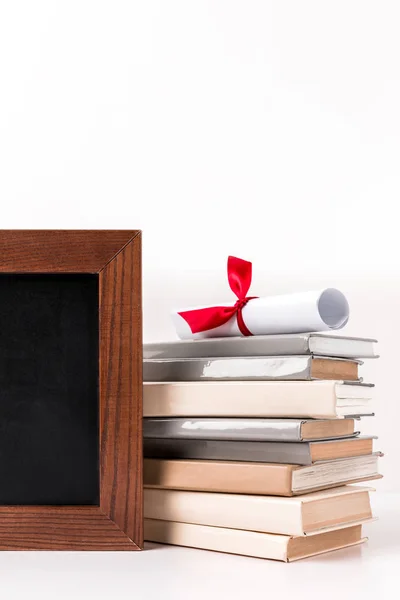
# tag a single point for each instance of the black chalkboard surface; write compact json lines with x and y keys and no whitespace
{"x":49,"y":389}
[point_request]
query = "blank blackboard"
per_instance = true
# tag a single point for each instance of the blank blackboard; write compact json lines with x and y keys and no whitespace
{"x":49,"y":413}
{"x":71,"y":452}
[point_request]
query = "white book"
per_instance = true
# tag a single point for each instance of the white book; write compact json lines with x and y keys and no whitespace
{"x":297,"y":515}
{"x":250,"y":543}
{"x":252,"y":368}
{"x":301,"y":399}
{"x":264,"y":345}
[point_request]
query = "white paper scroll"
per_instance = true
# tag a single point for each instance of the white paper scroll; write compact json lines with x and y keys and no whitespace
{"x":301,"y":312}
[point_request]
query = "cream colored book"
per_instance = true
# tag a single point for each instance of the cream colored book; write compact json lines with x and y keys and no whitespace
{"x":232,"y":477}
{"x":299,"y":515}
{"x":301,"y":399}
{"x":250,"y":543}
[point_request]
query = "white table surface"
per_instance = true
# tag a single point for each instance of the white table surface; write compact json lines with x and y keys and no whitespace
{"x":171,"y":572}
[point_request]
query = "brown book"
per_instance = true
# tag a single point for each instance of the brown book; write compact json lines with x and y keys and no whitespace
{"x":257,"y":478}
{"x":250,"y":543}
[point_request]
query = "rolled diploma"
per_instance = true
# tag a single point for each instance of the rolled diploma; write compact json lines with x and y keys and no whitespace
{"x":300,"y":312}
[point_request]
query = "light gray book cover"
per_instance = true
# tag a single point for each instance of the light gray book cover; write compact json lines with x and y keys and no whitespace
{"x":248,"y":368}
{"x":294,"y":453}
{"x":265,"y":345}
{"x":237,"y":429}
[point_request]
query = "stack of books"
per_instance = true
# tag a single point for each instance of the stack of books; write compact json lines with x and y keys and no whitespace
{"x":250,"y":444}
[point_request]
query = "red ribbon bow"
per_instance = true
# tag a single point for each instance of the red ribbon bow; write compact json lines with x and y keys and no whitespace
{"x":239,"y":277}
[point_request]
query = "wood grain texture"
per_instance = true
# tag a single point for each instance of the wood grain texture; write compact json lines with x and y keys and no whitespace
{"x":59,"y":251}
{"x":121,"y":391}
{"x":59,"y":528}
{"x":117,"y":524}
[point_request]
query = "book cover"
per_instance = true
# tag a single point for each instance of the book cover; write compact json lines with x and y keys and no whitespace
{"x":268,"y":479}
{"x":250,"y":368}
{"x":257,"y":399}
{"x":250,"y":543}
{"x":264,"y":345}
{"x":295,"y":453}
{"x":298,"y":515}
{"x":239,"y":429}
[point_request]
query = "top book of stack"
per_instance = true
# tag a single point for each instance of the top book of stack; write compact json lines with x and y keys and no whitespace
{"x":317,"y":344}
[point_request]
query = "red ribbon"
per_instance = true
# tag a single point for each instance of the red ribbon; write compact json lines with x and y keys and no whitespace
{"x":239,"y":277}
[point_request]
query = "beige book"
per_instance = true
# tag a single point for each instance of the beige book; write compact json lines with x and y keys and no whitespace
{"x":301,"y":399}
{"x":257,"y":478}
{"x":250,"y":543}
{"x":299,"y":515}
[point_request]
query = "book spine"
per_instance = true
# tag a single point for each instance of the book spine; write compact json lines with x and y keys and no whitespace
{"x":295,"y":453}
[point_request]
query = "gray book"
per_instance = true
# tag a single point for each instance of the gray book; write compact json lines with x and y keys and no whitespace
{"x":256,"y":430}
{"x":250,"y":368}
{"x":294,"y":453}
{"x":265,"y":345}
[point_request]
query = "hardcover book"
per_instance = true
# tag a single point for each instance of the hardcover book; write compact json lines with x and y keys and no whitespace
{"x":300,"y":515}
{"x":265,"y":345}
{"x":250,"y":543}
{"x":259,"y":399}
{"x":270,"y":479}
{"x":250,"y":368}
{"x":295,"y":453}
{"x":251,"y":430}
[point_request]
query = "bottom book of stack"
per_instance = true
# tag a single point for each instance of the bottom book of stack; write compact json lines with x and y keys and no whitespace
{"x":280,"y":528}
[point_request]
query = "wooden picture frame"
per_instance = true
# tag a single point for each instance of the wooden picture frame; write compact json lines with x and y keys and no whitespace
{"x":117,"y":522}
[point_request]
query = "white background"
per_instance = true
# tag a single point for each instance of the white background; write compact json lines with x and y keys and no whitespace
{"x":269,"y":130}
